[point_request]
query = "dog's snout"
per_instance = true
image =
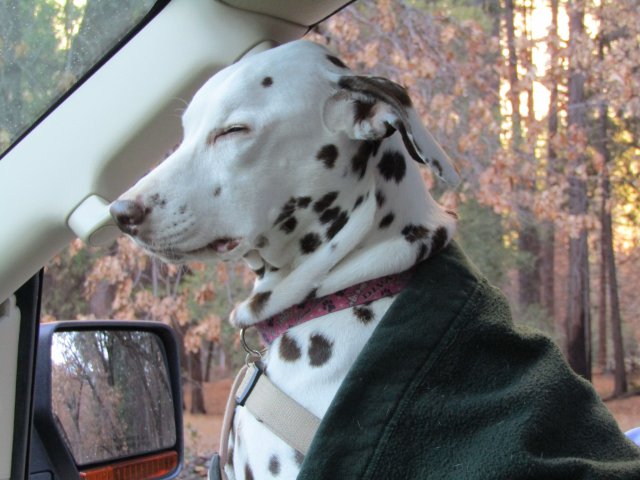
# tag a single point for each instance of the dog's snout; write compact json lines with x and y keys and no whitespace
{"x":128,"y":214}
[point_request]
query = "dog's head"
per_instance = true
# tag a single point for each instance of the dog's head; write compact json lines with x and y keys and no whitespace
{"x":259,"y":135}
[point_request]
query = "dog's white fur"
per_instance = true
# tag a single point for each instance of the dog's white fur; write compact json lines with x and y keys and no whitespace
{"x":265,"y":141}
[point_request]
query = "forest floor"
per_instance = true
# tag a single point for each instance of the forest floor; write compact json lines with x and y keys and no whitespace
{"x":202,"y":432}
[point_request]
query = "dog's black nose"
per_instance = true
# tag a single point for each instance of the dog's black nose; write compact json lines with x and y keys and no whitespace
{"x":128,"y":214}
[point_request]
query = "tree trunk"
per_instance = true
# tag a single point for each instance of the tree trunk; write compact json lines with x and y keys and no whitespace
{"x":602,"y":293}
{"x":578,"y":318}
{"x":620,"y":377}
{"x":184,"y":360}
{"x":547,"y":249}
{"x":514,"y":93}
{"x":578,"y":326}
{"x":102,"y":299}
{"x":528,"y":240}
{"x":207,"y":365}
{"x":529,"y":273}
{"x":608,"y":266}
{"x":195,"y":382}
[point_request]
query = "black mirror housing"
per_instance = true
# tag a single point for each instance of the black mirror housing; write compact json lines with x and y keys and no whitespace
{"x":61,"y":452}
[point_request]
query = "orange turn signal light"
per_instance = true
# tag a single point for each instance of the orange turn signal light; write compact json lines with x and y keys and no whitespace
{"x":143,"y":468}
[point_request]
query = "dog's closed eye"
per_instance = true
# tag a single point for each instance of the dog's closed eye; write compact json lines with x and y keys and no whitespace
{"x":218,"y":133}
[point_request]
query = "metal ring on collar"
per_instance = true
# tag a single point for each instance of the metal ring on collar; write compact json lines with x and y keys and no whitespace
{"x":247,"y":348}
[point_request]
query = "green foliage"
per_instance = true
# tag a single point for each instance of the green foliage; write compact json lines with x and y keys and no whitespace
{"x":29,"y":57}
{"x":63,"y":288}
{"x":46,"y":46}
{"x":535,"y":316}
{"x":484,"y":12}
{"x":480,"y":233}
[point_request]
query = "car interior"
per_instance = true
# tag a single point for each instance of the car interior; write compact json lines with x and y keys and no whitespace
{"x":59,"y":176}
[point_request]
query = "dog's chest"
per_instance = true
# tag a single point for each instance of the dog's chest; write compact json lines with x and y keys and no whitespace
{"x":308,"y":363}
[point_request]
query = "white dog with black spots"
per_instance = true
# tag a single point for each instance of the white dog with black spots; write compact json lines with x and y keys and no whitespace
{"x":305,"y":170}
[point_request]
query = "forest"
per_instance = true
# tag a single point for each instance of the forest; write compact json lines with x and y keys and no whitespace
{"x":536,"y":101}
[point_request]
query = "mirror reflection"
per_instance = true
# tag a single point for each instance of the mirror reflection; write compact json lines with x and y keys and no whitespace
{"x":111,"y":394}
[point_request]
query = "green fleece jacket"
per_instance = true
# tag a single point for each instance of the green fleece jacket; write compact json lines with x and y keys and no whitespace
{"x":449,"y":388}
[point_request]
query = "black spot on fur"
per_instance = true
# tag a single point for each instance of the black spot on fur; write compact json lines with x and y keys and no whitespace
{"x":336,"y":61}
{"x":182,"y":209}
{"x":310,"y":296}
{"x":274,"y":269}
{"x":262,"y":241}
{"x":358,"y":202}
{"x":260,"y":272}
{"x":289,"y":225}
{"x":155,"y":198}
{"x":267,"y":82}
{"x":380,"y":198}
{"x":310,"y":242}
{"x":362,"y":110}
{"x":413,"y":233}
{"x":325,"y":202}
{"x":320,"y":350}
{"x":329,"y":214}
{"x":340,"y":221}
{"x":299,"y":458}
{"x":274,"y":465}
{"x":289,"y":349}
{"x":248,"y":474}
{"x":439,"y":239}
{"x":392,"y":166}
{"x":359,"y":161}
{"x":217,"y":191}
{"x":328,"y":155}
{"x":287,"y":210}
{"x":303,"y":202}
{"x":363,"y":314}
{"x":258,"y":301}
{"x":387,"y":220}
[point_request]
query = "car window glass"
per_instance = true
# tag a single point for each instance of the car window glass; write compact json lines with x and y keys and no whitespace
{"x":46,"y":46}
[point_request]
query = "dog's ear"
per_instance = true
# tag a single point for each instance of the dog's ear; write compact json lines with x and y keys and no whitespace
{"x":373,"y":108}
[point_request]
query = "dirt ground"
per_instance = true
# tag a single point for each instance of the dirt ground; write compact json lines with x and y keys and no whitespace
{"x":625,"y":410}
{"x":202,"y":432}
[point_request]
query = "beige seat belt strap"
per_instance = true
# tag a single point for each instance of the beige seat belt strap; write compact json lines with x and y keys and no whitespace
{"x":228,"y":421}
{"x":285,"y":417}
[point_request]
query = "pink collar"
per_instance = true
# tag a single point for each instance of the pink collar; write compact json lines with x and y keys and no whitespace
{"x":362,"y":293}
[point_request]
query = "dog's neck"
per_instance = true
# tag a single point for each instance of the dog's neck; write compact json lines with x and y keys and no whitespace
{"x":332,"y":238}
{"x":314,"y":307}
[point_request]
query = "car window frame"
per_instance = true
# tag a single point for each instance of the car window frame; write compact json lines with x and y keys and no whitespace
{"x":157,"y":7}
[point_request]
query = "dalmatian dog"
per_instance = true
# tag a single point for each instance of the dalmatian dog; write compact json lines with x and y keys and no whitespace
{"x":308,"y":172}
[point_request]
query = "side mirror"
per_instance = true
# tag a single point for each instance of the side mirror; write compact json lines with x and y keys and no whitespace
{"x":107,"y":402}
